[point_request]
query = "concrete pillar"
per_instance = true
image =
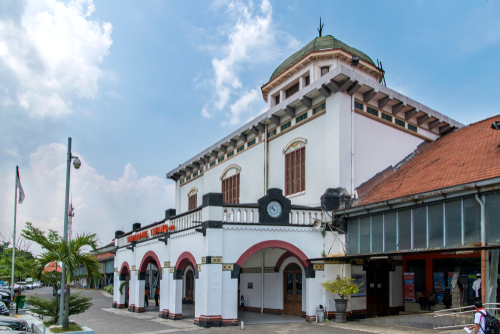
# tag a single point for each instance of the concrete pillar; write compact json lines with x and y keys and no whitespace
{"x":132,"y":290}
{"x":314,"y":296}
{"x":140,"y":285}
{"x":165,"y":291}
{"x":229,"y":299}
{"x":209,"y":289}
{"x":115,"y":288}
{"x":120,"y":296}
{"x":175,"y":298}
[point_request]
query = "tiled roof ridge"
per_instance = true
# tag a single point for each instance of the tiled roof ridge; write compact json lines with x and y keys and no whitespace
{"x":458,"y":140}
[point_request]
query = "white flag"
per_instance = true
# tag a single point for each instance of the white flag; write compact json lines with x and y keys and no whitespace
{"x":21,"y":191}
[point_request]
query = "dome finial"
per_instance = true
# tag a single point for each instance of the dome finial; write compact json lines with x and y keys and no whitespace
{"x":320,"y":29}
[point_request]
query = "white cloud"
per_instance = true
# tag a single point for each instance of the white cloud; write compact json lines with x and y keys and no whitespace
{"x":51,"y":55}
{"x":102,"y":206}
{"x":252,"y":39}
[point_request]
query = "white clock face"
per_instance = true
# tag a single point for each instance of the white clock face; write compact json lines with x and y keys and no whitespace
{"x":274,"y":209}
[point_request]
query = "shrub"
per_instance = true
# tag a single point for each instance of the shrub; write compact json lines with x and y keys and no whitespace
{"x":50,"y":307}
{"x":343,"y":286}
{"x":109,"y":289}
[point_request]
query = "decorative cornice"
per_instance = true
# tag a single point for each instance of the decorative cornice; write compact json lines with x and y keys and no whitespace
{"x":257,"y":227}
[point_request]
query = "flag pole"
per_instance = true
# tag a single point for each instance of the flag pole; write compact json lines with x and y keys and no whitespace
{"x":14,"y":239}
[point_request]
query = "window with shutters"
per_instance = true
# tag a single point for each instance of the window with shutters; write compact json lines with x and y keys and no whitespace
{"x":295,"y":171}
{"x":231,"y":189}
{"x":292,"y":90}
{"x":192,"y":202}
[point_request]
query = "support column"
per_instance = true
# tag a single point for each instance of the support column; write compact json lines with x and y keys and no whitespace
{"x":230,"y":295}
{"x":140,"y":285}
{"x":165,"y":291}
{"x":314,"y":295}
{"x":120,"y":297}
{"x":115,"y":288}
{"x":175,"y":295}
{"x":209,"y":291}
{"x":132,"y":289}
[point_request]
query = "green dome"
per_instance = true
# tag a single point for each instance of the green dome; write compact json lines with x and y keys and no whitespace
{"x":320,"y":43}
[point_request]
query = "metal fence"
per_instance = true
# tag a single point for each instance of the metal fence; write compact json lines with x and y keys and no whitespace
{"x":460,"y":317}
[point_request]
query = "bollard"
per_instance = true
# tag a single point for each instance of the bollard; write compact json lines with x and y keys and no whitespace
{"x":242,"y":325}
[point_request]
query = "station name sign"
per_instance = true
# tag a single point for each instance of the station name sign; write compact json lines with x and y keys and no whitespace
{"x":155,"y":230}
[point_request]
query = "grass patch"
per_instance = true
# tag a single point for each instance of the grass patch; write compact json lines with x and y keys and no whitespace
{"x":73,"y":327}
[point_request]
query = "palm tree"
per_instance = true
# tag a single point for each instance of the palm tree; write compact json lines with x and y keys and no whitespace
{"x":71,"y":253}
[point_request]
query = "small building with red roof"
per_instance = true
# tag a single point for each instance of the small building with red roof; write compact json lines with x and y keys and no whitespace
{"x":428,"y":222}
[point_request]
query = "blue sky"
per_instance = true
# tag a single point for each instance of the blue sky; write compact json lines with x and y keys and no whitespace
{"x":143,"y":86}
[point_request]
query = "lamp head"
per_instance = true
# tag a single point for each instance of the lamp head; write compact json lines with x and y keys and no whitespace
{"x":77,"y":163}
{"x":354,"y":61}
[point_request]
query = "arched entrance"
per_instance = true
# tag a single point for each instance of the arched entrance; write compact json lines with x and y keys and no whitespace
{"x":184,"y":286}
{"x":272,"y":281}
{"x":123,"y":286}
{"x":148,"y":282}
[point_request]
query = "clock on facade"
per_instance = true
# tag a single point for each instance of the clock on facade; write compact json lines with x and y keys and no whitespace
{"x":274,"y":209}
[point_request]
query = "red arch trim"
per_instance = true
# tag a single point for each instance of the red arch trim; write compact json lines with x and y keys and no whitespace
{"x":125,"y":268}
{"x":183,"y":260}
{"x":282,"y":259}
{"x":293,"y":250}
{"x":146,"y":259}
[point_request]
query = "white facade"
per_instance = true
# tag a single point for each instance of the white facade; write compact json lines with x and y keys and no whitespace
{"x":350,"y":128}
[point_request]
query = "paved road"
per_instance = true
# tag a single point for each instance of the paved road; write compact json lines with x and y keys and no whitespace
{"x":104,"y":319}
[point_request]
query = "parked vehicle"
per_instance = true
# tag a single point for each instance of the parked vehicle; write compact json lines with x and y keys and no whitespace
{"x":3,"y":309}
{"x":5,"y":297}
{"x":12,"y":323}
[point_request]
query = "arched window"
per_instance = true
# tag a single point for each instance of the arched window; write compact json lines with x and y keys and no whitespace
{"x":193,"y":198}
{"x":295,"y":166}
{"x":231,"y":184}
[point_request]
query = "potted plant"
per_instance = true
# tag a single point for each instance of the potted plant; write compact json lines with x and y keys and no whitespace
{"x":344,"y":287}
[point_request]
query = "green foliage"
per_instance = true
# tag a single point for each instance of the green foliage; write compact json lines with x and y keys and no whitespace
{"x":121,"y":286}
{"x":323,"y":253}
{"x":71,"y":253}
{"x":23,"y":265}
{"x":343,"y":286}
{"x":109,"y":289}
{"x":73,"y":327}
{"x":323,"y":231}
{"x":50,"y":307}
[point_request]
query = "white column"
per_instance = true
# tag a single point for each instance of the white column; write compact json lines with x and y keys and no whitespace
{"x":175,"y":298}
{"x":314,"y":296}
{"x":115,"y":288}
{"x":132,"y":289}
{"x":229,"y":299}
{"x":165,"y":291}
{"x":139,"y":294}
{"x":120,"y":296}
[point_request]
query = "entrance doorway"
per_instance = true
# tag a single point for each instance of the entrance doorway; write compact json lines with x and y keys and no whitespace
{"x":190,"y":286}
{"x":377,"y":294}
{"x":292,"y":301}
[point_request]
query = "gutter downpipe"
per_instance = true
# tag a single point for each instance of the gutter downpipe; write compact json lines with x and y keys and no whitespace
{"x":352,"y":143}
{"x":266,"y":150}
{"x":488,"y":270}
{"x":262,"y":284}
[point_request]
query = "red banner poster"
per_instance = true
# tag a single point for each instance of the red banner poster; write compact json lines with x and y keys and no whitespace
{"x":409,"y":287}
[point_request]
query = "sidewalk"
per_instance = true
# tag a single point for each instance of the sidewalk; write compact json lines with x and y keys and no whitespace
{"x":381,"y":328}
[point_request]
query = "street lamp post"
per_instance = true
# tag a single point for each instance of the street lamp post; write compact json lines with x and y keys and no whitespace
{"x":77,"y":165}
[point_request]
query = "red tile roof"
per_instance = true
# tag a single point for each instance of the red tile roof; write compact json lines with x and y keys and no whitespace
{"x":52,"y":266}
{"x":467,"y":155}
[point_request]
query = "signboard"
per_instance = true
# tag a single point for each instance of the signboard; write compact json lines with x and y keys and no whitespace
{"x":154,"y":231}
{"x":439,"y":285}
{"x":409,"y":287}
{"x":358,"y":279}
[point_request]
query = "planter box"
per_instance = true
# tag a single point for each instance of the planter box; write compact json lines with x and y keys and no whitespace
{"x":38,"y":328}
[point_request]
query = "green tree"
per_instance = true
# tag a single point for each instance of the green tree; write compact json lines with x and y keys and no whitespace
{"x":71,"y":253}
{"x":343,"y":286}
{"x":50,"y":307}
{"x":23,"y":265}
